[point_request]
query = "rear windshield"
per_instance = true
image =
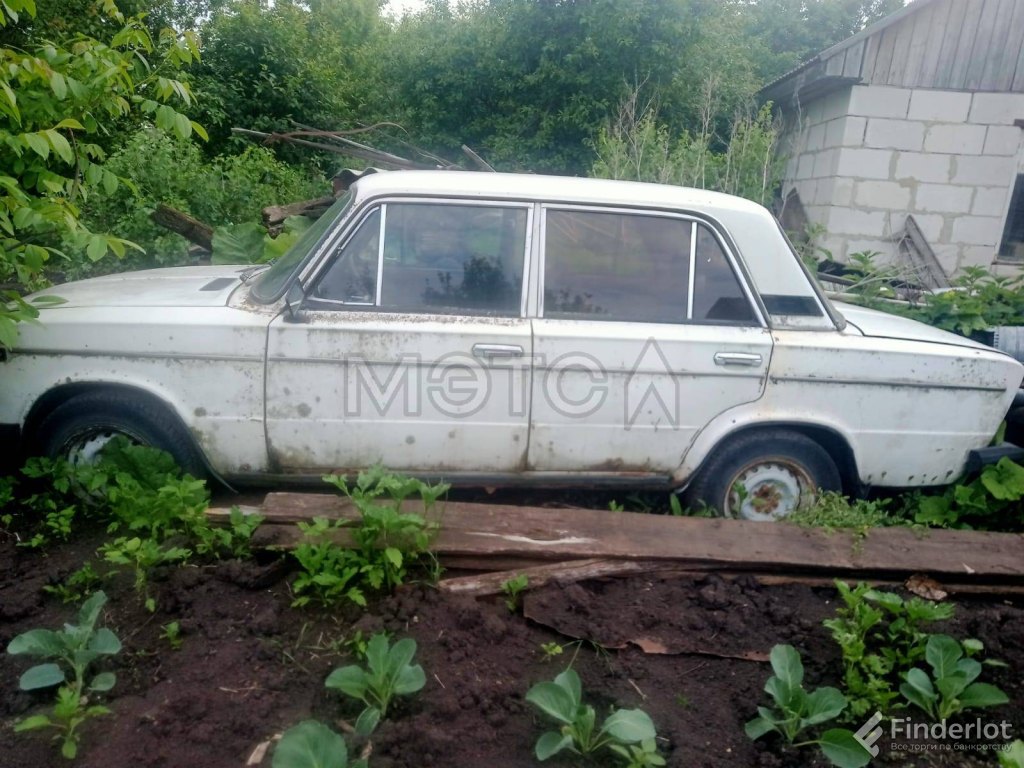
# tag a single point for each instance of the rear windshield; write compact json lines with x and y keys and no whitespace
{"x":272,"y":283}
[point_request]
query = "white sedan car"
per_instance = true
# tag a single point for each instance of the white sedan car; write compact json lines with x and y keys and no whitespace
{"x":492,"y":329}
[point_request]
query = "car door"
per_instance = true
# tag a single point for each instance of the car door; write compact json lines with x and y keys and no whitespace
{"x":411,"y":349}
{"x":645,"y":332}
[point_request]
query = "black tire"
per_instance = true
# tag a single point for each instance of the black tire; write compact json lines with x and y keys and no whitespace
{"x":785,"y":468}
{"x":141,"y":419}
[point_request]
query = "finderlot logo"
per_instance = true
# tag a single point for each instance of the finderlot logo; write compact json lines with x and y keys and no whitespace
{"x":868,"y":734}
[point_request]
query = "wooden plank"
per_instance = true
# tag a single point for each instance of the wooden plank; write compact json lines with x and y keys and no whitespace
{"x":984,"y":41}
{"x":933,"y":48}
{"x":557,"y":573}
{"x":901,"y":49}
{"x":867,"y":67}
{"x":997,"y":74}
{"x":883,"y":59}
{"x":968,"y":35}
{"x":854,"y":59}
{"x":950,"y":44}
{"x":919,"y":41}
{"x":1015,"y":63}
{"x":484,"y":530}
{"x":834,"y":65}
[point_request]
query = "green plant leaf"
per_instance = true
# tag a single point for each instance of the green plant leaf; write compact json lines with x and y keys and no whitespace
{"x":104,"y":681}
{"x":842,"y":749}
{"x":789,"y":670}
{"x":310,"y":744}
{"x":104,"y":642}
{"x":367,"y":721}
{"x":410,"y":680}
{"x":918,"y":690}
{"x":629,"y":726}
{"x":824,"y":704}
{"x":551,"y":743}
{"x":32,"y":723}
{"x":942,"y":653}
{"x":554,"y":701}
{"x":1013,"y":755}
{"x":982,"y":695}
{"x":37,"y":642}
{"x":570,"y":681}
{"x":350,"y":680}
{"x":758,"y":727}
{"x":238,"y":244}
{"x":41,"y":676}
{"x":401,"y":653}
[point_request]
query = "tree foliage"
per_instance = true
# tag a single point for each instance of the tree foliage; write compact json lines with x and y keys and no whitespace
{"x":56,"y":96}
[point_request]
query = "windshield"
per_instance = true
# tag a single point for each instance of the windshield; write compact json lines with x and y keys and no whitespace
{"x":272,"y":283}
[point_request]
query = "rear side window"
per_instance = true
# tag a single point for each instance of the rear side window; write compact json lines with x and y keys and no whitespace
{"x":432,"y":259}
{"x":613,"y":266}
{"x":638,"y":268}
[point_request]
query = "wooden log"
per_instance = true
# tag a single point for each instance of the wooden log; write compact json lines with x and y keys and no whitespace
{"x":274,"y":215}
{"x":556,"y":535}
{"x":189,"y":227}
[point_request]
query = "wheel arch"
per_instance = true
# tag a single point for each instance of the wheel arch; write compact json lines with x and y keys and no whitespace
{"x":56,"y":396}
{"x":834,"y":443}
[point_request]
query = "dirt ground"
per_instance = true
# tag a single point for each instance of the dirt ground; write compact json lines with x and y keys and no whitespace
{"x":250,"y":665}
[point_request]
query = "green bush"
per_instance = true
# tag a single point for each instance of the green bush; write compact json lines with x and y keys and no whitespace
{"x":229,"y":189}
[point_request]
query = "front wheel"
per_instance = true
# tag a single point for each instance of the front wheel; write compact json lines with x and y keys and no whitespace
{"x":78,"y":429}
{"x":764,"y":476}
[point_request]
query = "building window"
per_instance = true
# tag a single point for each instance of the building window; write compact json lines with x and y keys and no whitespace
{"x":1012,"y":246}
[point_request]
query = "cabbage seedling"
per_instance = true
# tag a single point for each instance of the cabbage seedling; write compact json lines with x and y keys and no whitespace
{"x":388,"y":673}
{"x":562,"y":701}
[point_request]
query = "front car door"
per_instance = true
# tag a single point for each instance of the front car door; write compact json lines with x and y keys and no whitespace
{"x":411,"y":349}
{"x":646,"y":331}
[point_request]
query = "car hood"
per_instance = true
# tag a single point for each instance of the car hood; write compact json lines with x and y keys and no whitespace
{"x":175,"y":287}
{"x":872,"y":322}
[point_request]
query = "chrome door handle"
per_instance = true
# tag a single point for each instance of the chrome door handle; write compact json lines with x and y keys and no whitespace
{"x":490,"y":351}
{"x":737,"y":358}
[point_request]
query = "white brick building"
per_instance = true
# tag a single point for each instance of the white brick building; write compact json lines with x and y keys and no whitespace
{"x":919,"y":115}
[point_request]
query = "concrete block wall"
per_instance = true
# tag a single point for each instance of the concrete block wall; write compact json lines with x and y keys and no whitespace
{"x":864,"y":157}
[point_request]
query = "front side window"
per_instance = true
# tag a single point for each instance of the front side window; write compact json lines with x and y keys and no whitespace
{"x":433,"y":258}
{"x":638,"y":268}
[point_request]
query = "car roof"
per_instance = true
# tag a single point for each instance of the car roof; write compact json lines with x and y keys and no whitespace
{"x":525,"y":186}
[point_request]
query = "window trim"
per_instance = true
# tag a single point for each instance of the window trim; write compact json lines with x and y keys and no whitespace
{"x":341,"y":240}
{"x":695,"y":220}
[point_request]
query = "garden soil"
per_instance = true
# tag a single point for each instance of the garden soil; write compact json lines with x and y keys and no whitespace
{"x":690,"y":651}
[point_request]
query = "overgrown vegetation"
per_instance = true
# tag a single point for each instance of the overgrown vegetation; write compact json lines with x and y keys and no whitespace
{"x":882,"y":638}
{"x":388,"y":540}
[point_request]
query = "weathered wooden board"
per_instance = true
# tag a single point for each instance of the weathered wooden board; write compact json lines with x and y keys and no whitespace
{"x":553,"y":535}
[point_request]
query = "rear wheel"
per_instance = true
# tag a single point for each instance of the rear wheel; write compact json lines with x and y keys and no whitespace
{"x":78,"y":429}
{"x":764,"y":476}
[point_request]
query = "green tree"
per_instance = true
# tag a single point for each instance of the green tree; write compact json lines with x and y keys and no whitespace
{"x":531,"y":83}
{"x":783,"y":33}
{"x":267,"y":65}
{"x":56,"y":97}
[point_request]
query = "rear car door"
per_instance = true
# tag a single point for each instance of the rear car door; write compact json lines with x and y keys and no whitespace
{"x":411,"y":349}
{"x":646,"y":331}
